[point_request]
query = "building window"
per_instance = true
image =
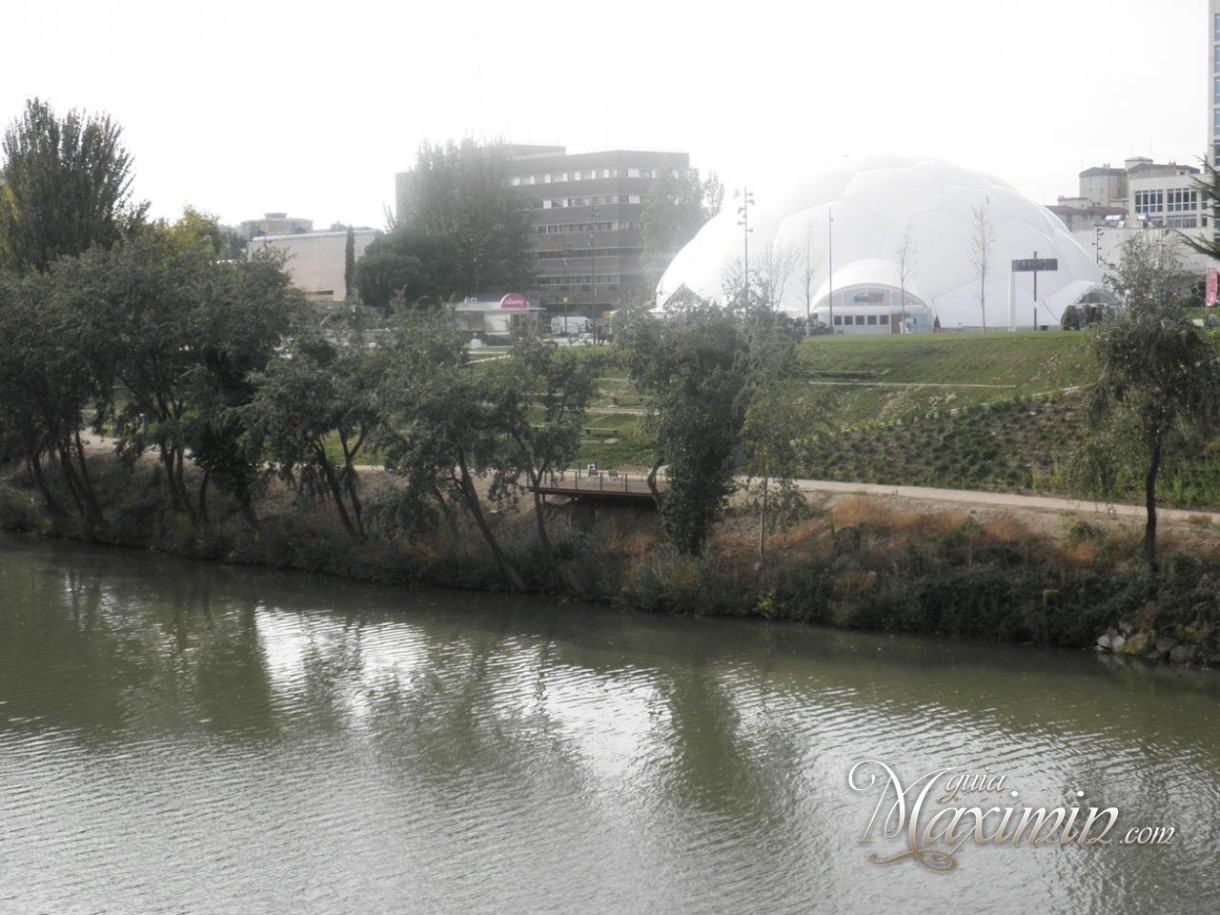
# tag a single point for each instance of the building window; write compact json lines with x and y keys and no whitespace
{"x":860,"y":319}
{"x":1149,"y":201}
{"x":1182,"y":222}
{"x":1183,"y":200}
{"x":838,"y":320}
{"x":1217,"y":28}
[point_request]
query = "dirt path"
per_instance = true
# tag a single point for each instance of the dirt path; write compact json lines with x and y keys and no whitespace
{"x":1044,"y":514}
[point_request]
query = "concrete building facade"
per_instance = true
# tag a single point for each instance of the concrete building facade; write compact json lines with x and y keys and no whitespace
{"x":587,"y":221}
{"x":315,"y":260}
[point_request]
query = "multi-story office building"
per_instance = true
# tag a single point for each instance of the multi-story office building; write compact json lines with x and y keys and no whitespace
{"x":1213,"y":79}
{"x":587,"y":220}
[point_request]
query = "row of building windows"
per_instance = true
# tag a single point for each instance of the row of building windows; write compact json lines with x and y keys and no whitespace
{"x":566,"y":228}
{"x":1183,"y":200}
{"x":602,"y":279}
{"x":1180,"y":200}
{"x":861,"y":320}
{"x":557,"y":203}
{"x":1149,"y":201}
{"x":589,"y":174}
{"x":583,"y":252}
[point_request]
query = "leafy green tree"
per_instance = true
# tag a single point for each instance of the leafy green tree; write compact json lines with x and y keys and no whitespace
{"x":461,"y":192}
{"x":539,"y":397}
{"x":171,"y":334}
{"x":439,"y":428}
{"x":45,"y":388}
{"x":1158,"y":385}
{"x":315,"y":393}
{"x":410,"y":265}
{"x":693,"y":368}
{"x":67,"y":187}
{"x":1209,"y":190}
{"x":778,"y":417}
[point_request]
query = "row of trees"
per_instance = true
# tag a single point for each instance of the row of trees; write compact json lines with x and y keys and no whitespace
{"x":146,"y":331}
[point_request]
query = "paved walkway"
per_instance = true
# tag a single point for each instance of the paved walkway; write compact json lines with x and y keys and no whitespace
{"x":1003,"y":500}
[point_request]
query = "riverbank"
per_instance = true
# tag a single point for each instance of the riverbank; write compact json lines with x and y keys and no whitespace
{"x":867,"y":562}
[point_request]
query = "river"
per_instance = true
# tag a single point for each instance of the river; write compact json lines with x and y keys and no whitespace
{"x":179,"y":737}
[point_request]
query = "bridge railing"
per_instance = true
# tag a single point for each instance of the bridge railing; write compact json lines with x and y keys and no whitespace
{"x":589,"y":479}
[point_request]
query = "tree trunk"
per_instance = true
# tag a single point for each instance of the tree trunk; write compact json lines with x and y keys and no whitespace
{"x":652,"y":481}
{"x":95,"y":510}
{"x":336,"y":491}
{"x":48,"y":499}
{"x":471,"y":497}
{"x":1154,"y":467}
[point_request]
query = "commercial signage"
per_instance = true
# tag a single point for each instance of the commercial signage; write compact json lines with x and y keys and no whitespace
{"x":515,"y":301}
{"x":1034,"y":264}
{"x":1210,"y":301}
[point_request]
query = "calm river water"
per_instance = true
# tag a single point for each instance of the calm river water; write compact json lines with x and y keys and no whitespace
{"x":187,"y":738}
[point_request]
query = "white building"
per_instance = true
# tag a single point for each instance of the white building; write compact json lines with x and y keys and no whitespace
{"x":846,"y":225}
{"x":316,"y":260}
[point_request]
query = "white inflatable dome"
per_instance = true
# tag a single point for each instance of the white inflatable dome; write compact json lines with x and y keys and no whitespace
{"x":872,"y":201}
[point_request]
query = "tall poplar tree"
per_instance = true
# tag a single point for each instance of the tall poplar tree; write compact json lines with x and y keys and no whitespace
{"x":67,"y":187}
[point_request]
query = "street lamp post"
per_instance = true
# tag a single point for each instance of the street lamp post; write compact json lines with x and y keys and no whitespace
{"x":830,"y":263}
{"x":747,"y":199}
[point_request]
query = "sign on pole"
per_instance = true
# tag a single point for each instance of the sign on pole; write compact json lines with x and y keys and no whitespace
{"x":1034,"y":264}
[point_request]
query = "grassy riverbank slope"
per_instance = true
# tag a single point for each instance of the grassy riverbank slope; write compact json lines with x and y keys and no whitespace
{"x":997,"y":411}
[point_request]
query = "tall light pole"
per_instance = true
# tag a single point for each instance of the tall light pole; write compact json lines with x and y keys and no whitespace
{"x":747,"y":200}
{"x":830,"y":263}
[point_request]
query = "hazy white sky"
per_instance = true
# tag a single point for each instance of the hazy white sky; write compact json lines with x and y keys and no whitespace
{"x":243,"y":107}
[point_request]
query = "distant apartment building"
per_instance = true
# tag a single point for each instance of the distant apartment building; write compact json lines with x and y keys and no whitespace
{"x":1143,"y":195}
{"x":587,"y":214}
{"x":275,"y":224}
{"x":315,"y":260}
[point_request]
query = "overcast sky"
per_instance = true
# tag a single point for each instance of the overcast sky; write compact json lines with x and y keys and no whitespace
{"x":310,"y":108}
